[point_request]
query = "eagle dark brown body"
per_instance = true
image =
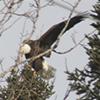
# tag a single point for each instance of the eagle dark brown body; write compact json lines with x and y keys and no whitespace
{"x":46,"y":41}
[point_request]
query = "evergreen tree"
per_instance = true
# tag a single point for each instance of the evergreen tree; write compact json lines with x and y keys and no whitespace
{"x":86,"y":82}
{"x":26,"y":85}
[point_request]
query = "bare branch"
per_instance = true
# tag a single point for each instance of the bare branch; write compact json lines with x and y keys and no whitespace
{"x":58,"y":39}
{"x":66,"y":5}
{"x":76,"y":45}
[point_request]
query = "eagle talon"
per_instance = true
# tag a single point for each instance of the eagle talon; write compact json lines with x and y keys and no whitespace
{"x":34,"y":74}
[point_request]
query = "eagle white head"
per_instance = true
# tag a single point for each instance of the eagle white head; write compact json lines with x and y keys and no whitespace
{"x":25,"y":49}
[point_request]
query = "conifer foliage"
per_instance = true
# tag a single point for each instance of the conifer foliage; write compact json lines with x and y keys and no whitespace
{"x":26,"y":85}
{"x":86,"y":82}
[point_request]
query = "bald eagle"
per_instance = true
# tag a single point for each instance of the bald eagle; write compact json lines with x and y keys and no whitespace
{"x":35,"y":47}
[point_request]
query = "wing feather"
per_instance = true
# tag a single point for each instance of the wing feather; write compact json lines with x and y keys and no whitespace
{"x":51,"y":35}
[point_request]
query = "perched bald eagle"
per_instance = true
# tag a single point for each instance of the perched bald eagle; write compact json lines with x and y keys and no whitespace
{"x":35,"y":47}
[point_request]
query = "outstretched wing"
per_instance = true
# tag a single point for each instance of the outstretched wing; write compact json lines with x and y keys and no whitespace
{"x":51,"y":35}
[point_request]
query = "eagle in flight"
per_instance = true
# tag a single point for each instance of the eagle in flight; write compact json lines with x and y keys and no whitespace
{"x":33,"y":48}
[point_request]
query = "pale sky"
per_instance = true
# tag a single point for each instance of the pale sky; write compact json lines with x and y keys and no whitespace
{"x":49,"y":16}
